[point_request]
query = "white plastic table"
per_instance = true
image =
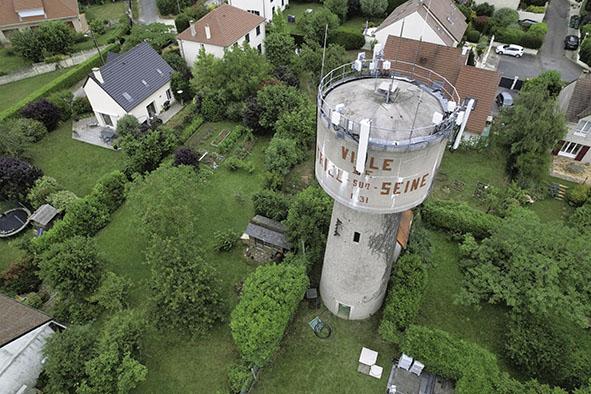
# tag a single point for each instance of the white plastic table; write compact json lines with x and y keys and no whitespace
{"x":368,"y":356}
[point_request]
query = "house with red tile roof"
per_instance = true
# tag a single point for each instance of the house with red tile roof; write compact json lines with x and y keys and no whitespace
{"x":220,"y":29}
{"x":436,"y":21}
{"x":452,"y":64}
{"x":16,"y":15}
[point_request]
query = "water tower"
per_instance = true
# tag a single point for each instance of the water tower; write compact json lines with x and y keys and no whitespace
{"x":382,"y":129}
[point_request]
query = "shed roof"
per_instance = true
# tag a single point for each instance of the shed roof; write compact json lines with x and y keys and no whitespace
{"x":441,"y":15}
{"x":227,"y":24}
{"x":17,"y":319}
{"x":575,"y":98}
{"x":44,"y":214}
{"x":481,"y":85}
{"x":133,"y":76}
{"x":54,"y":9}
{"x":268,"y":230}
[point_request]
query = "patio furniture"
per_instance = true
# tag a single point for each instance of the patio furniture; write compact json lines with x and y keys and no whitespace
{"x":367,"y":358}
{"x":405,"y":362}
{"x":392,"y":389}
{"x":375,"y":371}
{"x":417,"y":368}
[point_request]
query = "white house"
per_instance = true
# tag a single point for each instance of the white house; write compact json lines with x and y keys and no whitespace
{"x":220,"y":29}
{"x":575,"y":102}
{"x":264,"y":8}
{"x":436,"y":21}
{"x":513,"y":4}
{"x":23,"y":333}
{"x":136,"y":82}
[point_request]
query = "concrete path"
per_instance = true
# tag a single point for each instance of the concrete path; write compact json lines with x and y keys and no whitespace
{"x":552,"y":55}
{"x":148,"y":12}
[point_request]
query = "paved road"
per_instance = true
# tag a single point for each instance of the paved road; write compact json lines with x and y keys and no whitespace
{"x":552,"y":54}
{"x":148,"y":12}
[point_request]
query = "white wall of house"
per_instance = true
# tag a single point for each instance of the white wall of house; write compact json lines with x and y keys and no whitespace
{"x":576,"y":136}
{"x":265,"y":8}
{"x":501,"y":3}
{"x":102,"y":103}
{"x":190,"y":49}
{"x":414,"y":28}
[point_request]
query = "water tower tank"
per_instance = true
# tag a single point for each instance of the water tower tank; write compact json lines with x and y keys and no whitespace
{"x":382,"y":130}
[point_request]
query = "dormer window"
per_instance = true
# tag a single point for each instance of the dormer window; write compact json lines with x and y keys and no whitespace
{"x":583,"y":127}
{"x":247,"y":37}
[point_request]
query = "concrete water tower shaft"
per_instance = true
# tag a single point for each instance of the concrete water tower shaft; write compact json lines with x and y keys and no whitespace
{"x":382,"y":130}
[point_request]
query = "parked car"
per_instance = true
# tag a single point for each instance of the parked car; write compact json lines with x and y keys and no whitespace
{"x":575,"y":21}
{"x":504,"y":99}
{"x":571,"y":42}
{"x":510,"y":49}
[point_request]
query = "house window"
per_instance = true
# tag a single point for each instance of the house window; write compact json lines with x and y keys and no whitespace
{"x":570,"y":149}
{"x":258,"y":30}
{"x":273,"y":10}
{"x":254,"y":12}
{"x":356,"y":237}
{"x":282,"y":3}
{"x":583,"y":128}
{"x":260,"y":48}
{"x":247,"y":37}
{"x":168,"y":94}
{"x":107,"y":119}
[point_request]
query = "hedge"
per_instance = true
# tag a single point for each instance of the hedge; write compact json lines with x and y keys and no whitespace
{"x":473,"y":368}
{"x":270,"y":297}
{"x":459,"y":218}
{"x":404,"y":298}
{"x":64,"y":81}
{"x":349,"y":40}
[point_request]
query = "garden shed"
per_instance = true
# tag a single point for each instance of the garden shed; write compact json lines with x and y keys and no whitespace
{"x":43,"y":216}
{"x":265,"y":239}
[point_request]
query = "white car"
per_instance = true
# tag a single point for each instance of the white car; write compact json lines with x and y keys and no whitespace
{"x":512,"y":50}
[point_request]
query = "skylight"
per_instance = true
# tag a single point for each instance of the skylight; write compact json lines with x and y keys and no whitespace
{"x":159,"y":71}
{"x":127,"y":97}
{"x":144,"y":82}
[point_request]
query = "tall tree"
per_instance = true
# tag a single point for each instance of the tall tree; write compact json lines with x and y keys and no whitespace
{"x":527,"y":132}
{"x":314,"y":25}
{"x":373,"y":8}
{"x":16,"y":177}
{"x":338,"y":7}
{"x":279,"y":49}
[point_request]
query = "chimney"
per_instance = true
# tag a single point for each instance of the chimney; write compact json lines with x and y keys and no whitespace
{"x":192,"y":25}
{"x":97,"y":74}
{"x":207,"y":32}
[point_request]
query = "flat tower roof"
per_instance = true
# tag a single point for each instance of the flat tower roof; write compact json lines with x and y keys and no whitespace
{"x":366,"y":99}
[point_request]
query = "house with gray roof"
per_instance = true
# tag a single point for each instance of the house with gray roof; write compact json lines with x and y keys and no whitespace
{"x":136,"y":83}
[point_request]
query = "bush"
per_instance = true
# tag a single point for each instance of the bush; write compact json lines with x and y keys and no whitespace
{"x":110,"y":190}
{"x":50,"y":38}
{"x":270,"y":204}
{"x":236,"y":164}
{"x":581,"y":218}
{"x":32,"y":129}
{"x":473,"y":36}
{"x":484,"y":9}
{"x":273,"y":181}
{"x":349,"y":40}
{"x":270,"y":297}
{"x":185,"y":156}
{"x":171,"y":7}
{"x":510,"y":35}
{"x":112,"y":293}
{"x":224,"y":241}
{"x":41,"y":190}
{"x":534,"y":37}
{"x":62,"y":200}
{"x":43,"y":111}
{"x":585,"y":50}
{"x":213,"y":107}
{"x":536,"y":9}
{"x":503,"y":18}
{"x":20,"y":277}
{"x":481,"y":23}
{"x":63,"y":101}
{"x":459,"y":218}
{"x":81,"y":106}
{"x":404,"y":298}
{"x":578,"y":195}
{"x":232,"y":140}
{"x":238,"y":376}
{"x":16,"y":178}
{"x":281,"y":155}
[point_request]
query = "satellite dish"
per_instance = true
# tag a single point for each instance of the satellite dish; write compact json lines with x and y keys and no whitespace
{"x":451,"y":106}
{"x":357,"y":65}
{"x":437,"y":118}
{"x":386,"y":65}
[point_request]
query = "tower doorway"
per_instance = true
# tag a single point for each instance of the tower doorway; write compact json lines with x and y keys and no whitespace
{"x":344,"y":311}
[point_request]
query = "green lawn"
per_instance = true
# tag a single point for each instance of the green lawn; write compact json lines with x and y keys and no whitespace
{"x":298,"y":9}
{"x":307,"y":364}
{"x":11,"y":62}
{"x":74,"y":164}
{"x":14,"y":91}
{"x":109,"y":11}
{"x":9,"y":251}
{"x":178,"y":363}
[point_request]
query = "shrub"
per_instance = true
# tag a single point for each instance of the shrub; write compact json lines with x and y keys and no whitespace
{"x":270,"y":297}
{"x":473,"y":36}
{"x":235,"y":164}
{"x":536,"y":9}
{"x":585,"y":50}
{"x":171,"y":7}
{"x":81,"y":106}
{"x":349,"y":40}
{"x":213,"y":106}
{"x":224,"y":241}
{"x":110,"y":190}
{"x":510,"y":35}
{"x":20,"y":277}
{"x":578,"y":195}
{"x":581,"y":218}
{"x":63,"y":101}
{"x":112,"y":292}
{"x":32,"y":129}
{"x":404,"y":298}
{"x":459,"y":218}
{"x":62,"y":200}
{"x":185,"y":156}
{"x":97,"y":26}
{"x":281,"y":155}
{"x":33,"y":300}
{"x":16,"y":177}
{"x":534,"y":37}
{"x":43,"y":111}
{"x":484,"y":9}
{"x":232,"y":140}
{"x":373,"y":8}
{"x":503,"y":18}
{"x":273,"y":181}
{"x":50,"y":38}
{"x":41,"y":190}
{"x":270,"y":204}
{"x":481,"y":23}
{"x":238,"y":376}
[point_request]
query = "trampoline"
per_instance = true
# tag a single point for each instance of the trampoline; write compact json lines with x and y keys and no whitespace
{"x":13,"y":221}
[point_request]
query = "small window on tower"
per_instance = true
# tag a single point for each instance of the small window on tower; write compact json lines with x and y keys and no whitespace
{"x":356,"y":236}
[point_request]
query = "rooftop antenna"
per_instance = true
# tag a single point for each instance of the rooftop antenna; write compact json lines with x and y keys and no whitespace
{"x":323,"y":52}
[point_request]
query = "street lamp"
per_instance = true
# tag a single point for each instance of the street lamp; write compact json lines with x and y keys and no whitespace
{"x":95,"y":44}
{"x":180,"y":93}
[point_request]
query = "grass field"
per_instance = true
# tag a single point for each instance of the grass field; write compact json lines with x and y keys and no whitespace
{"x":74,"y":164}
{"x":11,"y":62}
{"x":14,"y":91}
{"x":110,"y":11}
{"x":178,"y":363}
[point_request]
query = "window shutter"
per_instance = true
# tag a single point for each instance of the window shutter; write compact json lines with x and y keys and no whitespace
{"x":582,"y":153}
{"x":557,"y":147}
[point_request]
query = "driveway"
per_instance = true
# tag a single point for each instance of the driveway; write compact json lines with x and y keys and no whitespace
{"x":148,"y":12}
{"x":552,"y":54}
